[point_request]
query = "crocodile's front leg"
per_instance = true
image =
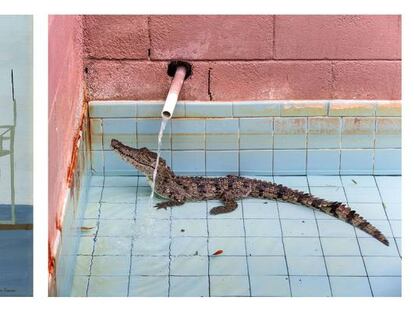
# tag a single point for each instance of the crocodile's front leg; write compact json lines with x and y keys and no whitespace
{"x":169,"y":203}
{"x":172,"y":191}
{"x":230,"y":205}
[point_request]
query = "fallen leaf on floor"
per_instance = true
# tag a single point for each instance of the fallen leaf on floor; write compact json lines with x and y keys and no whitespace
{"x":218,"y":252}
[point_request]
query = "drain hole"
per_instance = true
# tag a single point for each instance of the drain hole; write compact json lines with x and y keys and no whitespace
{"x":172,"y":68}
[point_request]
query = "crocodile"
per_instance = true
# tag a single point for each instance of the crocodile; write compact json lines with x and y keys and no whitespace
{"x":181,"y":189}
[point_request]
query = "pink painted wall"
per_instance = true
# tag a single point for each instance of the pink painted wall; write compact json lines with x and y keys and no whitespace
{"x":66,"y":90}
{"x":245,"y":57}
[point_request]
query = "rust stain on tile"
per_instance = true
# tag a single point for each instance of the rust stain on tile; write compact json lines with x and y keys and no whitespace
{"x":389,"y":109}
{"x":324,"y":126}
{"x":51,"y":266}
{"x":388,"y":126}
{"x":290,"y":126}
{"x":52,"y":272}
{"x":348,"y":108}
{"x":358,"y":125}
{"x":76,"y":142}
{"x":304,"y":109}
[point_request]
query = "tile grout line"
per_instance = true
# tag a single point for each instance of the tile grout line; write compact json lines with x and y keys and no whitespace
{"x":284,"y":247}
{"x":94,"y":239}
{"x":170,"y":139}
{"x":273,"y":145}
{"x":320,"y":243}
{"x":241,"y":237}
{"x":208,"y":251}
{"x":357,"y":239}
{"x":205,"y":148}
{"x":136,"y":132}
{"x":386,"y":214}
{"x":102,"y":153}
{"x":227,"y":118}
{"x":241,"y":116}
{"x":169,"y":255}
{"x":269,"y":149}
{"x":133,"y":238}
{"x":219,"y":275}
{"x":238,"y":145}
{"x":206,"y":207}
{"x":341,"y":124}
{"x":99,"y":214}
{"x":237,"y":236}
{"x":306,"y":148}
{"x":374,"y":147}
{"x":245,"y":249}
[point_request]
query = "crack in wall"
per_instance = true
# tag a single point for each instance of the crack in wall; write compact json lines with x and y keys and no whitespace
{"x":332,"y":82}
{"x":210,"y":95}
{"x":149,"y":37}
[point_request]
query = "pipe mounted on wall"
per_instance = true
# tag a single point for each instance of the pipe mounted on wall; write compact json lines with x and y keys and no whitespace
{"x":180,"y":71}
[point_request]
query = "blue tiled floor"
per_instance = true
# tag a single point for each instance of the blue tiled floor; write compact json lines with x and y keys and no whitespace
{"x":269,"y":248}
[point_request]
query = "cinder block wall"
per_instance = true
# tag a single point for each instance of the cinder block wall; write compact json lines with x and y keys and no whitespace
{"x":245,"y":57}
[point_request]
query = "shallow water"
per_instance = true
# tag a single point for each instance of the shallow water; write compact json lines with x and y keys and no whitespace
{"x":269,"y":248}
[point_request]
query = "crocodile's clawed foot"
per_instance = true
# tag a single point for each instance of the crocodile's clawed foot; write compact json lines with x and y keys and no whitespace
{"x":161,"y":205}
{"x":164,"y":205}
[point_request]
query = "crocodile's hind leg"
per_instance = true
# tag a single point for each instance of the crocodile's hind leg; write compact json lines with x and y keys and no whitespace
{"x":230,"y":205}
{"x":169,"y":203}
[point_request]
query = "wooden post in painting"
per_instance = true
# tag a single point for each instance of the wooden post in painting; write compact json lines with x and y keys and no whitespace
{"x":12,"y":190}
{"x":7,"y":134}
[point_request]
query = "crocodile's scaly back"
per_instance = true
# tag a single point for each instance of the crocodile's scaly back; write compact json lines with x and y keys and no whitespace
{"x":229,"y":189}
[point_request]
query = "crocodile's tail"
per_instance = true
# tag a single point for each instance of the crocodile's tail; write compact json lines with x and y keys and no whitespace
{"x":339,"y":210}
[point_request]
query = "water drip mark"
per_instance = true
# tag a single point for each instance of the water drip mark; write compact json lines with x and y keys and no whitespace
{"x":210,"y":95}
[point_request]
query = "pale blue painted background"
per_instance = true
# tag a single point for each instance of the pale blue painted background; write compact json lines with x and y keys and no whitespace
{"x":16,"y":52}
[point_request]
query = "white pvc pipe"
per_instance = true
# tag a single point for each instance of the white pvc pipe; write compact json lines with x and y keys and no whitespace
{"x":172,"y":97}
